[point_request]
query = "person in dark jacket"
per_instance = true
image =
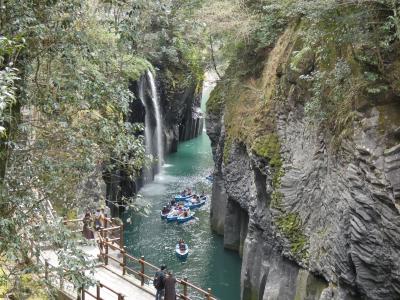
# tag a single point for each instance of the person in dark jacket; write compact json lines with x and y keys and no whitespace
{"x":87,"y":224}
{"x":170,"y":292}
{"x":159,"y":282}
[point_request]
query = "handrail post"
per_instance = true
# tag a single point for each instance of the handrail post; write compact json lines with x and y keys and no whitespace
{"x":61,"y":282}
{"x":185,"y":292}
{"x":46,"y":269}
{"x":106,"y":252}
{"x":121,"y":236}
{"x":123,"y":265}
{"x":37,"y":256}
{"x":209,"y":294}
{"x":142,"y":270}
{"x":121,"y":297}
{"x":98,"y":291}
{"x":83,"y":293}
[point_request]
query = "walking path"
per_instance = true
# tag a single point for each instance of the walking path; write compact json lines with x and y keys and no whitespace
{"x":109,"y":276}
{"x":119,"y":276}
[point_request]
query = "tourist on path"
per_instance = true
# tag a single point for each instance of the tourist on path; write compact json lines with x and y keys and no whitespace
{"x":170,"y":292}
{"x":159,"y":282}
{"x":87,"y":224}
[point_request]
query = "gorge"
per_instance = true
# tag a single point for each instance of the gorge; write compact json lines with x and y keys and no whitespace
{"x":101,"y":104}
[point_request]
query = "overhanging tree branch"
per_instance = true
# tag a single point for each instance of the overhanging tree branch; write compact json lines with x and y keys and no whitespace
{"x":213,"y":58}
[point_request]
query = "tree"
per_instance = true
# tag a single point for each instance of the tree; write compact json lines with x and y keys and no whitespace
{"x":64,"y":97}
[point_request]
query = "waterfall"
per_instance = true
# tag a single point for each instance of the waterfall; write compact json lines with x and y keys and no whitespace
{"x":147,"y":129}
{"x":156,"y":105}
{"x":209,"y":83}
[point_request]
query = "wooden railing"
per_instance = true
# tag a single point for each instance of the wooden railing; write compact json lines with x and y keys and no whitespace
{"x":125,"y":258}
{"x":59,"y":280}
{"x":99,"y":286}
{"x":110,"y":226}
{"x":111,"y":237}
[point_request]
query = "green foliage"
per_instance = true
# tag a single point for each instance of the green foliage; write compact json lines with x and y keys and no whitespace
{"x":31,"y":288}
{"x":69,"y":71}
{"x":227,"y":149}
{"x":268,"y":146}
{"x":216,"y":102}
{"x":290,"y":225}
{"x":166,"y":33}
{"x":4,"y":287}
{"x":134,"y":67}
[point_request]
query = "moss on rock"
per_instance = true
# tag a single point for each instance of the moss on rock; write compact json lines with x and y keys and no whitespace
{"x":268,"y":146}
{"x":291,"y":226}
{"x":217,"y":100}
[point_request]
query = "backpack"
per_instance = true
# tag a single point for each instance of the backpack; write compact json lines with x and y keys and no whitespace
{"x":159,"y":281}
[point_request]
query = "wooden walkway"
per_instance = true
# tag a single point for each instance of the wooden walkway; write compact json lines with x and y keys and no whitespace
{"x":128,"y":286}
{"x":119,"y":275}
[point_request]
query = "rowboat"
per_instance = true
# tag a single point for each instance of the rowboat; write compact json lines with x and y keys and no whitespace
{"x":182,"y":197}
{"x":182,"y":253}
{"x":192,"y":205}
{"x":172,"y":218}
{"x":182,"y":219}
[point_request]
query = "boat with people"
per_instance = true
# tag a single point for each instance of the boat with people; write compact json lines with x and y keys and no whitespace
{"x":184,"y":195}
{"x":182,"y":249}
{"x":172,"y":216}
{"x":196,"y":203}
{"x":186,"y":216}
{"x":165,"y":212}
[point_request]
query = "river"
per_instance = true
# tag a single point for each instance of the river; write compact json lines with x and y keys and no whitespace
{"x":209,"y":265}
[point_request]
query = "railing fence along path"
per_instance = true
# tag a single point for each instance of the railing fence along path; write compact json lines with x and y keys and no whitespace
{"x":110,"y":240}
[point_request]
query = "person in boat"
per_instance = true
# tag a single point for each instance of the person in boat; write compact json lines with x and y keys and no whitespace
{"x":165,"y":210}
{"x":186,"y":213}
{"x":195,"y":199}
{"x":202,"y":195}
{"x":182,"y":245}
{"x":183,"y":193}
{"x":176,"y":212}
{"x":173,"y":202}
{"x":189,"y":192}
{"x":170,"y":291}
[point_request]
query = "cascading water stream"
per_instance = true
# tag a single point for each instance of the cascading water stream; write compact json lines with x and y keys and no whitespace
{"x":147,"y":129}
{"x":159,"y":138}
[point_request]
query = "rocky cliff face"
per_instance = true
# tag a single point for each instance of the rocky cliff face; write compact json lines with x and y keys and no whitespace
{"x":314,"y":216}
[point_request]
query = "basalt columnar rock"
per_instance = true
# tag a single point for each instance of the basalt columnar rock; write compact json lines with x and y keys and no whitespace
{"x":314,"y":212}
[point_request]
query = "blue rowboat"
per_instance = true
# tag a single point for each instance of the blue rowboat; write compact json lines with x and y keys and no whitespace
{"x":191,"y":205}
{"x":182,"y":219}
{"x":182,"y":198}
{"x":172,"y":218}
{"x":182,"y":253}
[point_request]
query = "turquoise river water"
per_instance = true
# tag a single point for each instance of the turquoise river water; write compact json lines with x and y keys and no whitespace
{"x":209,"y":265}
